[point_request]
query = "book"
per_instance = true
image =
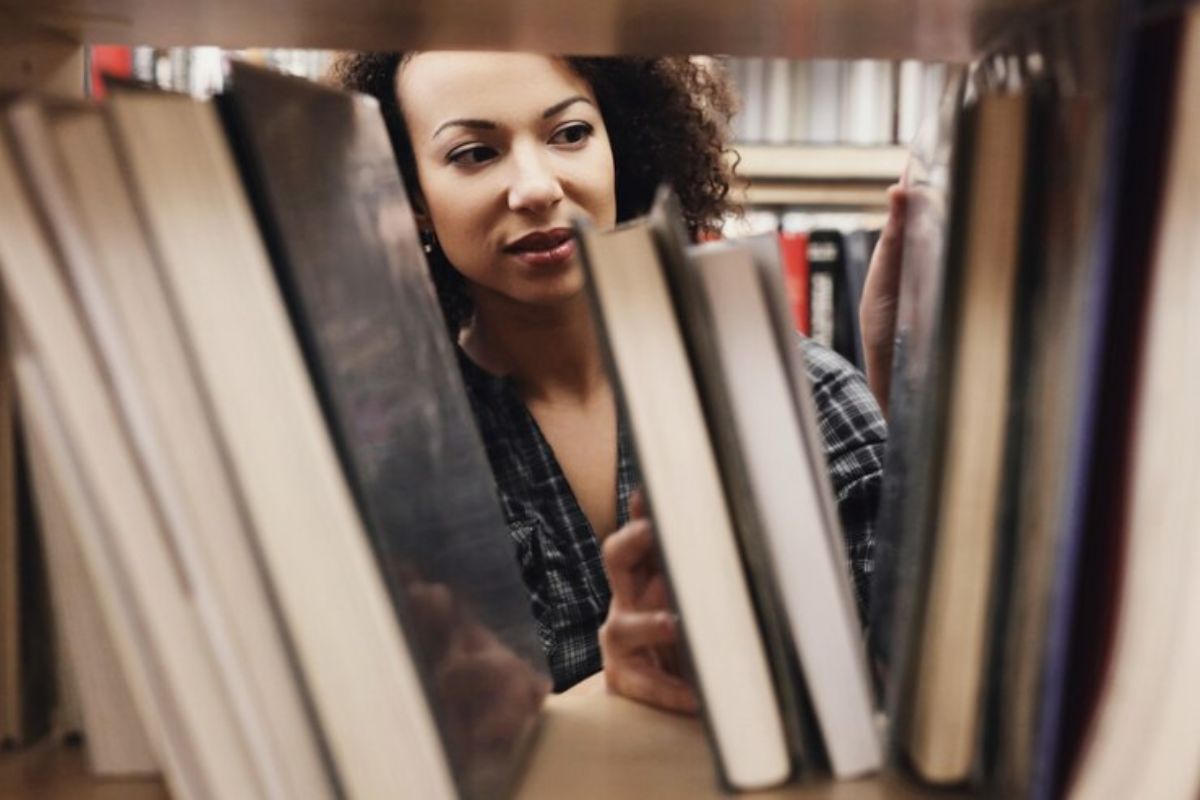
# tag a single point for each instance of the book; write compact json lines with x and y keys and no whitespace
{"x":152,"y":613}
{"x":754,"y":99}
{"x":860,"y":246}
{"x":110,"y":266}
{"x":780,"y":96}
{"x":10,"y":571}
{"x":633,"y":308}
{"x":1139,"y":741}
{"x":347,"y":255}
{"x":117,"y":743}
{"x":952,"y":654}
{"x":314,"y":551}
{"x":793,"y":253}
{"x":825,"y":101}
{"x":829,"y":310}
{"x":777,"y":486}
{"x":916,"y":401}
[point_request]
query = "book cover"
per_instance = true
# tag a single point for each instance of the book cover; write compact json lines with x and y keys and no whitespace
{"x":793,"y":252}
{"x":633,"y":309}
{"x":776,"y":485}
{"x":344,"y":244}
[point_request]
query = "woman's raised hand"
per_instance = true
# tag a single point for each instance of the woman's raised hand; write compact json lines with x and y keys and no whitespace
{"x":639,"y":638}
{"x":881,"y":298}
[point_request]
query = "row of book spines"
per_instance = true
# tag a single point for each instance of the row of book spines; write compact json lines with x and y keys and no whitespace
{"x":866,"y":102}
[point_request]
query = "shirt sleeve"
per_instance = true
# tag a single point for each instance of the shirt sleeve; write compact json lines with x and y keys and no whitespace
{"x":854,"y":436}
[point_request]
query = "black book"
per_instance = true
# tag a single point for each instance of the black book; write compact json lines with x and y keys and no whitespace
{"x":325,"y":185}
{"x":915,"y":401}
{"x":830,"y":312}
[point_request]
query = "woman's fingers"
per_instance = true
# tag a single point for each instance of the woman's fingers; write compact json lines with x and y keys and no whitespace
{"x":651,"y":685}
{"x":625,"y":553}
{"x":625,"y":632}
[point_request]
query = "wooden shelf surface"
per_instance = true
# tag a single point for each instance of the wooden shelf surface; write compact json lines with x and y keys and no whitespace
{"x":591,"y":746}
{"x":942,"y":30}
{"x":822,"y":163}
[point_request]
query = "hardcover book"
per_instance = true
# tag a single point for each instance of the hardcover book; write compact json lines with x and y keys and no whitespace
{"x":343,"y":240}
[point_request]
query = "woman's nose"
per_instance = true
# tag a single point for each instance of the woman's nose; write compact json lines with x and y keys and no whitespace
{"x":535,"y":187}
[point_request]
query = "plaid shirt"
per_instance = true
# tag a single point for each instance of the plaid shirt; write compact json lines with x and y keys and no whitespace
{"x":559,"y":552}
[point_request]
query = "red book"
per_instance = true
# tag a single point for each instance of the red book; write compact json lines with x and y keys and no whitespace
{"x":793,"y":252}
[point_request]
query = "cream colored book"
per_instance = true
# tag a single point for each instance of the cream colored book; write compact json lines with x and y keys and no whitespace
{"x":162,"y":645}
{"x":950,"y":663}
{"x":92,"y":220}
{"x":687,"y":501}
{"x":116,"y":739}
{"x":365,"y":690}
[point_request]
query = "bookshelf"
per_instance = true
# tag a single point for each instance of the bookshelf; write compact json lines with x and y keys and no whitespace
{"x":836,"y":177}
{"x":948,"y":30}
{"x":602,"y":746}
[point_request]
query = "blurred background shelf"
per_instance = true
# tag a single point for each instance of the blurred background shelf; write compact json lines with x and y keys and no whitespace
{"x":935,"y":30}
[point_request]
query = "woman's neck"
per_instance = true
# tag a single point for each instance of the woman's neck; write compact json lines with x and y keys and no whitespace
{"x":550,"y":352}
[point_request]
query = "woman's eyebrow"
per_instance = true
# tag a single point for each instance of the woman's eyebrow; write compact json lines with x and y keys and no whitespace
{"x":474,"y":124}
{"x":559,"y":107}
{"x":485,"y":125}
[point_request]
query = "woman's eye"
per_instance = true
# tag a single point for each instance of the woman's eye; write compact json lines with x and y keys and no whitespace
{"x":471,"y":155}
{"x":572,"y":133}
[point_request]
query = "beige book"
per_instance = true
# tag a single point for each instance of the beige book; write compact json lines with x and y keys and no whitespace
{"x":146,"y":598}
{"x":685,"y":493}
{"x":952,"y":647}
{"x":117,"y":743}
{"x":96,"y":226}
{"x":365,"y":690}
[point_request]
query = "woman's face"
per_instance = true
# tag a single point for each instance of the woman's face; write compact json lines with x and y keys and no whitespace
{"x":509,"y":149}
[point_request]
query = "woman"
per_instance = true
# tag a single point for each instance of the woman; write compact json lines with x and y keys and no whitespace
{"x":499,"y":153}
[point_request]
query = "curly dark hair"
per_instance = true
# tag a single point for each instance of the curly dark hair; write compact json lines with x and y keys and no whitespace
{"x":667,"y":120}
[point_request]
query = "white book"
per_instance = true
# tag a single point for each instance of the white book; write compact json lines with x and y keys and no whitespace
{"x":825,"y":102}
{"x":910,"y":104}
{"x":793,"y":502}
{"x":366,"y":693}
{"x":684,"y":491}
{"x":867,"y":102}
{"x":116,"y":739}
{"x":754,"y":100}
{"x":778,"y":108}
{"x":801,"y":101}
{"x":95,"y":224}
{"x":152,"y":611}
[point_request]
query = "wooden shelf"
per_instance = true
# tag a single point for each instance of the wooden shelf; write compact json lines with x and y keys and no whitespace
{"x":949,"y":30}
{"x":817,"y":162}
{"x":592,"y":746}
{"x":817,"y":176}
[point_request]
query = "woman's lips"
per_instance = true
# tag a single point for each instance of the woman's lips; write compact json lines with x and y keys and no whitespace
{"x":544,"y":248}
{"x":550,"y":257}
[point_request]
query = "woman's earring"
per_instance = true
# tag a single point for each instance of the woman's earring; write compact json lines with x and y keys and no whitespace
{"x":428,"y":240}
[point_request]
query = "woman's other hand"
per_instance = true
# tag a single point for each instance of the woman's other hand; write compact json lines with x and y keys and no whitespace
{"x":639,"y":638}
{"x":881,"y":298}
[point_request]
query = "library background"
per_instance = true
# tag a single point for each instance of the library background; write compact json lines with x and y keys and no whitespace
{"x":211,"y":586}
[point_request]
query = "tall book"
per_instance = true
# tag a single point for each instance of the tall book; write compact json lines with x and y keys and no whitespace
{"x":916,"y":399}
{"x":345,"y":247}
{"x":825,"y":101}
{"x":95,"y":224}
{"x":632,"y":303}
{"x":951,"y":660}
{"x":776,"y":486}
{"x":157,"y":619}
{"x":318,"y":561}
{"x":793,"y":255}
{"x":1141,"y":741}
